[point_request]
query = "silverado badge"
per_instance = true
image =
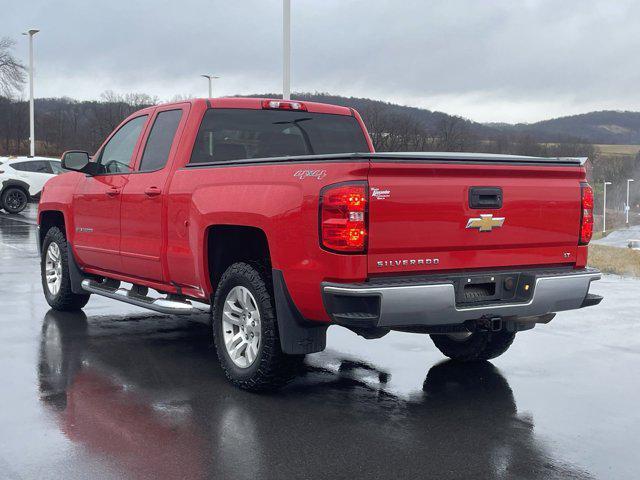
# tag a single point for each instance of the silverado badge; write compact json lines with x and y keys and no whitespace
{"x":485,"y":223}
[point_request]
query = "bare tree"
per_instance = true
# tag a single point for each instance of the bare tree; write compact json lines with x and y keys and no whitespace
{"x":179,"y":97}
{"x":452,"y":134}
{"x":11,"y":70}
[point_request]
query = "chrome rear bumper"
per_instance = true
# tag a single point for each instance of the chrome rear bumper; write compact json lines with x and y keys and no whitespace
{"x":432,"y":303}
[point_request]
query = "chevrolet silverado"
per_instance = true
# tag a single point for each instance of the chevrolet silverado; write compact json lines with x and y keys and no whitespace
{"x":283,"y":219}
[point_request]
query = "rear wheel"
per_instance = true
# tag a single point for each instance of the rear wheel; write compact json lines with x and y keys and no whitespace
{"x":14,"y":199}
{"x":246,"y":333}
{"x":54,"y":269}
{"x":471,"y":346}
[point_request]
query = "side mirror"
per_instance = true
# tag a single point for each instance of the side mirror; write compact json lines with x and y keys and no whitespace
{"x":78,"y":161}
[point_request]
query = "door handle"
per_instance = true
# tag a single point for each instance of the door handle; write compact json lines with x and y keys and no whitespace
{"x":113,"y":191}
{"x":152,"y":191}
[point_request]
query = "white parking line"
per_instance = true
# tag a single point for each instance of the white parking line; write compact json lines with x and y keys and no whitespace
{"x":18,"y":219}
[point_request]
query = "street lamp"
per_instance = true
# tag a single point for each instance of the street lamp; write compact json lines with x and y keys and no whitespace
{"x":286,"y":49}
{"x":627,"y":207}
{"x":32,"y":140}
{"x":604,"y":208}
{"x":210,"y":78}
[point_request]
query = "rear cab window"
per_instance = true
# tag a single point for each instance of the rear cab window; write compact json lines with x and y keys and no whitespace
{"x":236,"y":134}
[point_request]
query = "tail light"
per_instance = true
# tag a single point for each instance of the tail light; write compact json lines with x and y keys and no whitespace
{"x":283,"y":105}
{"x":586,"y":222}
{"x":343,"y":217}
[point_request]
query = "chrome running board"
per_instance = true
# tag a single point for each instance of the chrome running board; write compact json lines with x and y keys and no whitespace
{"x":162,"y":305}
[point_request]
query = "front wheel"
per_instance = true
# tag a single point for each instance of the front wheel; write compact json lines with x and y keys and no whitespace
{"x":246,"y":333}
{"x":472,"y":346}
{"x":14,"y":200}
{"x":54,"y":269}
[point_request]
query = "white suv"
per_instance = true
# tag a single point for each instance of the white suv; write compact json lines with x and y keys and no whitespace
{"x":22,"y":178}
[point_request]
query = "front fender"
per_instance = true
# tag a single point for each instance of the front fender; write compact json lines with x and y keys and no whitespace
{"x":57,"y":195}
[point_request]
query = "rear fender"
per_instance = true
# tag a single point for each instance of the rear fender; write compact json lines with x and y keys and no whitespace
{"x":16,"y":183}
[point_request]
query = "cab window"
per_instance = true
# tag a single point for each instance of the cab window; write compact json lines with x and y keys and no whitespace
{"x":117,"y":154}
{"x":156,"y":151}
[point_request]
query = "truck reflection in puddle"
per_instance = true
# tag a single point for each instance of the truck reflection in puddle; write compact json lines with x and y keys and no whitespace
{"x":146,"y":394}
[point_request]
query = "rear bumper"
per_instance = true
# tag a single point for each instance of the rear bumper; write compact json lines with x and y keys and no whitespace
{"x":432,"y":302}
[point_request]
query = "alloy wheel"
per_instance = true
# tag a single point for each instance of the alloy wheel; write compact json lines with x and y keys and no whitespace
{"x":241,"y":326}
{"x":15,"y":199}
{"x":53,"y":268}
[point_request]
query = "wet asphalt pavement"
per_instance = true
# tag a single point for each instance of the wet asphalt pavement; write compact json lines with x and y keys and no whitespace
{"x":118,"y":392}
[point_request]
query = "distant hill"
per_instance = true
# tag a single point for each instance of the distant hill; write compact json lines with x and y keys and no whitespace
{"x":610,"y":127}
{"x":428,"y":118}
{"x":607,"y":126}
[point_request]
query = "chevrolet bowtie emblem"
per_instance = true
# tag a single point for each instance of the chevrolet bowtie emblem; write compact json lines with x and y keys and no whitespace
{"x":485,"y":223}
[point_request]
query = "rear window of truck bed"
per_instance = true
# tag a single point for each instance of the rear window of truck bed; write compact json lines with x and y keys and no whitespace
{"x":237,"y":134}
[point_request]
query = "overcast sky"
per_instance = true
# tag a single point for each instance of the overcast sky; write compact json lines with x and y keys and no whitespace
{"x":489,"y":60}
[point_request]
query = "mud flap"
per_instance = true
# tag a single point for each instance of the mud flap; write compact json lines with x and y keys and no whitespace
{"x":75,"y":274}
{"x":297,"y":335}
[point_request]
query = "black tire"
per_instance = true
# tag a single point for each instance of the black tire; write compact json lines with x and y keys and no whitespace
{"x":14,"y":199}
{"x":271,"y":368}
{"x":64,"y":299}
{"x":478,"y":346}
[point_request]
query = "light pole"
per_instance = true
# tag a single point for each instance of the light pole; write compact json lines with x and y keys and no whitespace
{"x":604,"y":208}
{"x":32,"y":140}
{"x":627,"y":207}
{"x":210,"y":78}
{"x":286,"y":49}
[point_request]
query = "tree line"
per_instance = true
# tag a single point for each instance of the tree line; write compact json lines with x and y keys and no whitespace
{"x":65,"y":123}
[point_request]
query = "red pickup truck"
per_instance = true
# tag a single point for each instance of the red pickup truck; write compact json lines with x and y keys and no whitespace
{"x":281,"y":217}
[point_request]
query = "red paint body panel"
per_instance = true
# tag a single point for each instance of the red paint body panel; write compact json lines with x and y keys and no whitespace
{"x":96,"y":214}
{"x":161,"y":241}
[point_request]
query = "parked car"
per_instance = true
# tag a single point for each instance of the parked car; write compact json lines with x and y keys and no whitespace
{"x":22,"y":179}
{"x":253,"y":206}
{"x":634,"y":244}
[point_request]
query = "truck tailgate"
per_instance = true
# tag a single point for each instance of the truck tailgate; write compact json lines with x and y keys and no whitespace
{"x":421,"y":217}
